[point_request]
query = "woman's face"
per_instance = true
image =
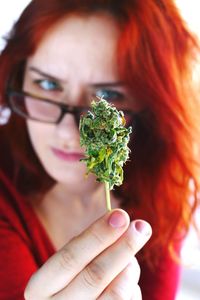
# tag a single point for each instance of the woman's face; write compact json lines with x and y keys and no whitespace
{"x":75,"y":61}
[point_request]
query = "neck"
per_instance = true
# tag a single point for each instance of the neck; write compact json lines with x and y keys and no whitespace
{"x":60,"y":201}
{"x":76,"y":200}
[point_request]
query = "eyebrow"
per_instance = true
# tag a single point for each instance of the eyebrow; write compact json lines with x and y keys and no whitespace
{"x":107,"y":84}
{"x":44,"y":74}
{"x":94,"y":85}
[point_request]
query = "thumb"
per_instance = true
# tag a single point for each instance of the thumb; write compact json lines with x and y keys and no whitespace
{"x":139,"y":232}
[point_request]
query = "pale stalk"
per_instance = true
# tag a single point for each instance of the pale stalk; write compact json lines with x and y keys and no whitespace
{"x":107,"y":189}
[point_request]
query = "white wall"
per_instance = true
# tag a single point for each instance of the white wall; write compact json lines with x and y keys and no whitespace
{"x":191,"y":13}
{"x":9,"y":12}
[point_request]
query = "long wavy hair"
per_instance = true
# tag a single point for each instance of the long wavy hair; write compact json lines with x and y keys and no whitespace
{"x":155,"y":57}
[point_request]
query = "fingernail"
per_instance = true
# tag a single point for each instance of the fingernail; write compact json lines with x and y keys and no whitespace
{"x":142,"y":227}
{"x":118,"y":219}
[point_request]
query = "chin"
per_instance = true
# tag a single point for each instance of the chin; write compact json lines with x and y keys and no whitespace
{"x":74,"y":180}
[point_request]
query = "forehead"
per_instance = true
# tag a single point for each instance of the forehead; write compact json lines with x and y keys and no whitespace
{"x":78,"y":42}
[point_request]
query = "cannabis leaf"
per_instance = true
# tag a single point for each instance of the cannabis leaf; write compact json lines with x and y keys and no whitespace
{"x":105,"y":137}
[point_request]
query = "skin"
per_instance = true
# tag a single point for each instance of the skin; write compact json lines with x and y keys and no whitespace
{"x":105,"y":268}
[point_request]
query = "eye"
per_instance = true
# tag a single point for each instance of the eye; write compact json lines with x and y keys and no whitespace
{"x":110,"y":95}
{"x":48,"y":84}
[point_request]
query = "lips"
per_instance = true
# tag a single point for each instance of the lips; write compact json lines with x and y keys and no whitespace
{"x":71,"y":156}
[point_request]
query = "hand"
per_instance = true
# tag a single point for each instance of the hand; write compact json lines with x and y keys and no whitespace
{"x":97,"y":264}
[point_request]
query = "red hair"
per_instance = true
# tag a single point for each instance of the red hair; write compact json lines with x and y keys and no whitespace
{"x":155,"y":55}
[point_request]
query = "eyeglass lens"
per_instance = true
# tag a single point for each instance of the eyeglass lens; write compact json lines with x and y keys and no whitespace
{"x":46,"y":111}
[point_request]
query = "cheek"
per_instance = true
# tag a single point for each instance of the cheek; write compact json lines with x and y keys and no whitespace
{"x":38,"y":135}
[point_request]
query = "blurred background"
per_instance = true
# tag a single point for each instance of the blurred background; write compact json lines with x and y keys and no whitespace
{"x":190,"y":282}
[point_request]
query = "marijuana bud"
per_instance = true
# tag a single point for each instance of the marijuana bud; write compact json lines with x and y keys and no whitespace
{"x":105,"y":137}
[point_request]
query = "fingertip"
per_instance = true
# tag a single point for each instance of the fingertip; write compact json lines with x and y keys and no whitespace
{"x":139,"y":232}
{"x":118,"y":218}
{"x":142,"y":227}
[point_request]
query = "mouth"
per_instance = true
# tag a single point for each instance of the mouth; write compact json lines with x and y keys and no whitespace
{"x":70,"y":156}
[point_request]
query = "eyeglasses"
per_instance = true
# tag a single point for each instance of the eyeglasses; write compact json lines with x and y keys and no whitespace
{"x":43,"y":110}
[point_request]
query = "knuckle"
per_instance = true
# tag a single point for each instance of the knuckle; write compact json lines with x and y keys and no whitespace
{"x":95,"y":236}
{"x":67,"y":259}
{"x":137,"y":293}
{"x":130,"y":245}
{"x":93,"y":275}
{"x":29,"y":292}
{"x":134,"y":270}
{"x":117,"y":294}
{"x":28,"y":295}
{"x":121,"y":293}
{"x":127,"y":284}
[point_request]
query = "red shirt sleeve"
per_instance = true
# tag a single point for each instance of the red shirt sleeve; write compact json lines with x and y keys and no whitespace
{"x":24,"y":245}
{"x":16,"y":263}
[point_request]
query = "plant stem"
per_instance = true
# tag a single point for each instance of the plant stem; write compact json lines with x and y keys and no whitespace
{"x":107,"y":189}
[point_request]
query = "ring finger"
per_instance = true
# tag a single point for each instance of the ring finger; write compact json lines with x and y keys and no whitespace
{"x":124,"y":286}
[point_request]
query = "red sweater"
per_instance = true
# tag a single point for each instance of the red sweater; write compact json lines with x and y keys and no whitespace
{"x":25,"y":246}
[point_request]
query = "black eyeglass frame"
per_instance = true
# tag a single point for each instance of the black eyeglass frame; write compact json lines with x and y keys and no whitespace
{"x":64,"y":108}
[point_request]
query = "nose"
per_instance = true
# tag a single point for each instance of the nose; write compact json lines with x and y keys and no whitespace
{"x":72,"y":110}
{"x":67,"y":127}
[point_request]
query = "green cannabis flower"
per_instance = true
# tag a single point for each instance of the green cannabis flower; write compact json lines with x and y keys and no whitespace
{"x":105,"y":137}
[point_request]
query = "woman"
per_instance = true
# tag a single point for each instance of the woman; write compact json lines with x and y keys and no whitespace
{"x":64,"y":53}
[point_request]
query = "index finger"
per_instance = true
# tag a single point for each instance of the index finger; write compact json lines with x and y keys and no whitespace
{"x":63,"y":266}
